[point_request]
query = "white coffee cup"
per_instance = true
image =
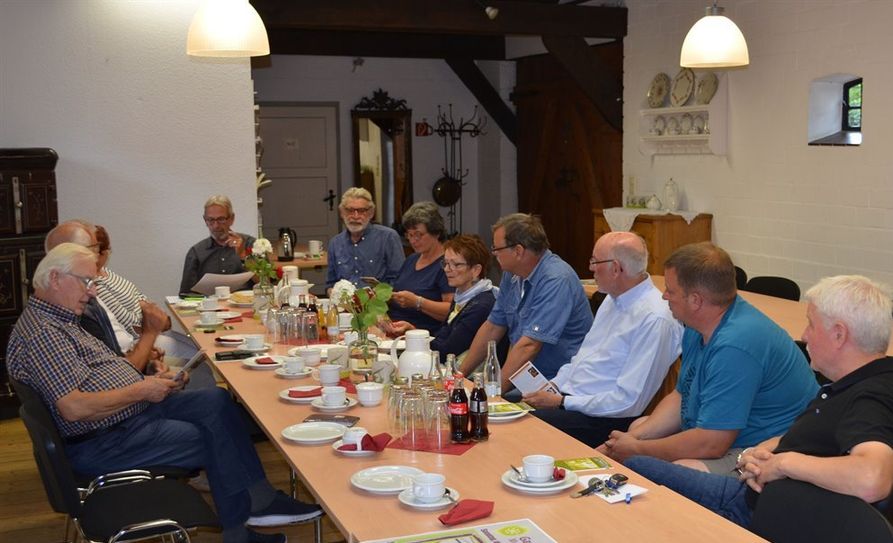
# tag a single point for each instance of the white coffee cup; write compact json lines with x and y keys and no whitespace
{"x":210,"y":303}
{"x":354,"y":436}
{"x":334,"y":396}
{"x":222,"y":293}
{"x":329,"y":374}
{"x":428,"y":487}
{"x":289,"y":273}
{"x":344,"y":321}
{"x":254,"y":341}
{"x":370,"y":394}
{"x":294,"y":364}
{"x":538,"y":468}
{"x":315,"y":248}
{"x":310,"y":355}
{"x":208,"y":317}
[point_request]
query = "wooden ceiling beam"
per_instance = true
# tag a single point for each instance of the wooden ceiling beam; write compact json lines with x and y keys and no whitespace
{"x":445,"y":17}
{"x":486,"y":95}
{"x":384,"y":44}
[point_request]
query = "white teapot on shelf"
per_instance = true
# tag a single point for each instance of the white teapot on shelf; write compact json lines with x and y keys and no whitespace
{"x":653,"y":203}
{"x":416,"y":358}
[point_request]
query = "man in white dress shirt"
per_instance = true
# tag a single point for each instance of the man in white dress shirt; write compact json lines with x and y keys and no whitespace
{"x":626,"y":354}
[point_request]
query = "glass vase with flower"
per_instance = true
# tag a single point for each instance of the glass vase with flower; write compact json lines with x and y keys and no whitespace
{"x":366,"y":306}
{"x":258,"y":262}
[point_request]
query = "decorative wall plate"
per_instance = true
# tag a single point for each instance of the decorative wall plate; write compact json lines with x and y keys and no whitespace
{"x":707,"y":86}
{"x":698,"y":125}
{"x":657,"y":92}
{"x":685,"y":123}
{"x":683,"y":86}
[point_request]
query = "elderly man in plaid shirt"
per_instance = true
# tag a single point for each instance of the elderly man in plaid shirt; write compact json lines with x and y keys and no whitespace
{"x":112,"y":417}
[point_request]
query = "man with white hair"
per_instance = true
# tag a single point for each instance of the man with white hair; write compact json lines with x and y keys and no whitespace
{"x":112,"y":417}
{"x":624,"y":358}
{"x":362,"y":249}
{"x":843,"y":440}
{"x":223,"y":252}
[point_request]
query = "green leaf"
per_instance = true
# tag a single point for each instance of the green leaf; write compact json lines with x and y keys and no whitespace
{"x":383,"y":291}
{"x":363,"y":296}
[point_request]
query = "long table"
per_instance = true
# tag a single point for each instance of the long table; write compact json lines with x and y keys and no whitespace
{"x":658,"y":515}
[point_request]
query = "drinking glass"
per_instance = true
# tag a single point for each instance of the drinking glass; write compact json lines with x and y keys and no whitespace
{"x":438,"y":430}
{"x":395,"y":396}
{"x":413,"y":421}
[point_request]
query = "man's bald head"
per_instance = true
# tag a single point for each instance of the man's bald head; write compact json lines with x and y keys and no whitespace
{"x":75,"y":231}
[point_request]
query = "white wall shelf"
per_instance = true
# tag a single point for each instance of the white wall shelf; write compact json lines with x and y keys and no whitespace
{"x":714,"y":114}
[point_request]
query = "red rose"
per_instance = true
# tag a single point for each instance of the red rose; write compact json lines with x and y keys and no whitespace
{"x":279,"y":272}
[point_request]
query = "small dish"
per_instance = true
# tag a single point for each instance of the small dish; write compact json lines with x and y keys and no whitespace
{"x":229,"y":341}
{"x":340,"y":442}
{"x":265,"y":348}
{"x":510,"y":479}
{"x":300,"y":375}
{"x":283,"y":395}
{"x":186,"y":304}
{"x":707,"y":86}
{"x":385,"y":479}
{"x":497,"y":418}
{"x":313,"y":433}
{"x":683,"y":86}
{"x":228,"y":315}
{"x":408,"y":498}
{"x":200,"y":324}
{"x":348,"y":403}
{"x":251,"y":363}
{"x":657,"y":92}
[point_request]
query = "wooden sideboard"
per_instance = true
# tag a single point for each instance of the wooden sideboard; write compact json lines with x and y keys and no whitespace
{"x":663,"y":234}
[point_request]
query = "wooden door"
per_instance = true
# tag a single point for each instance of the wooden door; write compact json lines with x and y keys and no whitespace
{"x":301,"y":157}
{"x":569,"y":157}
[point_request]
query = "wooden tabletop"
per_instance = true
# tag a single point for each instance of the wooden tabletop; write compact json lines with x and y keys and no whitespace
{"x":658,"y":515}
{"x":788,"y":314}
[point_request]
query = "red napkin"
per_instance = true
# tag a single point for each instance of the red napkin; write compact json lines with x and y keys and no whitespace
{"x":370,"y":443}
{"x":248,"y":314}
{"x":264,"y":360}
{"x":350,"y":387}
{"x":233,"y":319}
{"x":309,"y":394}
{"x":228,"y":341}
{"x":466,"y":510}
{"x":455,"y":449}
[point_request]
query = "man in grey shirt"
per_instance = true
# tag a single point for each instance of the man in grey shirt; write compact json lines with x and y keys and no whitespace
{"x":222,"y":252}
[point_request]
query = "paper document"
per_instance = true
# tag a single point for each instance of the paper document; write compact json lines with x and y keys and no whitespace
{"x":499,"y":532}
{"x":528,"y":380}
{"x":234,"y":281}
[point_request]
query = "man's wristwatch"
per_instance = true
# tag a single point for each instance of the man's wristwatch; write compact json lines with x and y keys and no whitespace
{"x":561,"y":405}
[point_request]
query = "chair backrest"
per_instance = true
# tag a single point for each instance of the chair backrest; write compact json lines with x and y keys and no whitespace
{"x":49,"y":452}
{"x":790,"y":511}
{"x":780,"y":287}
{"x":740,"y":278}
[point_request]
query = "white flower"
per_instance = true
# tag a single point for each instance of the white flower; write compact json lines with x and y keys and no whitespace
{"x":342,"y":291}
{"x":261,"y":247}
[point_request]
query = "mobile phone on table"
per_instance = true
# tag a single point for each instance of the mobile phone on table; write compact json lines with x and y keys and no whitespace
{"x":370,"y":280}
{"x":189,"y":366}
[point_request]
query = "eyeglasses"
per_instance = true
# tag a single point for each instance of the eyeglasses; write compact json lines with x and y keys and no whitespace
{"x":356,"y":210}
{"x":594,"y":262}
{"x":217,"y":220}
{"x":94,"y":247}
{"x":447,"y":265}
{"x":495,"y":250}
{"x":89,"y":282}
{"x":415,"y":235}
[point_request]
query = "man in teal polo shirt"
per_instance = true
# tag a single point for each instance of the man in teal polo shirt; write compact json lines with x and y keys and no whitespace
{"x":743,"y":379}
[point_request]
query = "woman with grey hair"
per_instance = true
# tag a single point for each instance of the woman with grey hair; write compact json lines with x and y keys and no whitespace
{"x":422,"y":295}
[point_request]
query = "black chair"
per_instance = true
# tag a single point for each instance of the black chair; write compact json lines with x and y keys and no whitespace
{"x":123,"y":506}
{"x":820,"y":379}
{"x":595,"y":301}
{"x":780,"y":287}
{"x":791,"y":511}
{"x":740,"y":278}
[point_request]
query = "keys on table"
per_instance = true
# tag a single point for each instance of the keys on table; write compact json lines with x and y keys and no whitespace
{"x":607,"y":488}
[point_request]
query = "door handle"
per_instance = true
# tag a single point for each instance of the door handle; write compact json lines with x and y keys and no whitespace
{"x":331,"y":199}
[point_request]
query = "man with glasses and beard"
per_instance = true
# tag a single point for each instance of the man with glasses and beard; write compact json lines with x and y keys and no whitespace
{"x":222,"y":252}
{"x":363,"y":249}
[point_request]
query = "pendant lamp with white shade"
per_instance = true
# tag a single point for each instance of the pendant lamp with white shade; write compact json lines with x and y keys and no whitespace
{"x":714,"y":42}
{"x":227,"y":28}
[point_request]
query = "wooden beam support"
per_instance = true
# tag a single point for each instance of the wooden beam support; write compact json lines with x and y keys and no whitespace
{"x":593,"y":75}
{"x":481,"y":88}
{"x":384,"y":44}
{"x":445,"y":17}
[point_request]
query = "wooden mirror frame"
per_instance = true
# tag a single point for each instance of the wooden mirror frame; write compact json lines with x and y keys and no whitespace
{"x":388,"y":111}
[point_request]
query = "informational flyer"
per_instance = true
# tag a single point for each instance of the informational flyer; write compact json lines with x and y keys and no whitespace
{"x":513,"y":531}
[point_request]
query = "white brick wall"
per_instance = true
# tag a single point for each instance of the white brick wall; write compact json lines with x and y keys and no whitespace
{"x":780,"y":207}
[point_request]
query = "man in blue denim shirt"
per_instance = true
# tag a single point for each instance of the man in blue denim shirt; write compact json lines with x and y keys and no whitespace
{"x":541,"y":303}
{"x":363,"y":249}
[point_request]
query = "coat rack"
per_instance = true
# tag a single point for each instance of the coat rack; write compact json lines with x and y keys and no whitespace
{"x":447,"y":190}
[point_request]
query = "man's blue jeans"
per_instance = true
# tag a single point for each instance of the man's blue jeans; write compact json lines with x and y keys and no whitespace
{"x":722,"y":495}
{"x":191,"y":429}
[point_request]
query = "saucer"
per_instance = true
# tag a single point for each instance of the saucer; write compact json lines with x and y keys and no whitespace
{"x":406,"y":497}
{"x":340,"y":442}
{"x":265,"y":348}
{"x":510,"y":479}
{"x":313,"y":433}
{"x":348,"y":403}
{"x":385,"y":479}
{"x":228,"y":315}
{"x":505,"y":417}
{"x":229,"y":341}
{"x":200,"y":324}
{"x":251,"y":363}
{"x":186,"y":304}
{"x":309,"y":399}
{"x":300,"y":375}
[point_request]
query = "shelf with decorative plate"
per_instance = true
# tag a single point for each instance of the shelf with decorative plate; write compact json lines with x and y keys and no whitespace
{"x":687,"y":129}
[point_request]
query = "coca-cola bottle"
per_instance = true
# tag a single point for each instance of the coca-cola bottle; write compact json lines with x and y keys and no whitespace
{"x":453,"y":375}
{"x":478,"y":412}
{"x":458,"y":414}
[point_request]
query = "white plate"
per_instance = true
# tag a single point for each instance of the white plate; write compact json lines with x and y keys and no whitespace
{"x":657,"y":92}
{"x":505,"y":417}
{"x":707,"y":86}
{"x":242,"y":304}
{"x":312,"y":433}
{"x":300,"y":375}
{"x":683,"y":86}
{"x":200,"y":324}
{"x":510,"y":479}
{"x":317,"y":403}
{"x":185,"y":304}
{"x":251,"y":363}
{"x":235,"y":341}
{"x":228,"y":314}
{"x":386,"y":344}
{"x":340,"y":442}
{"x":323,"y":348}
{"x":385,"y":479}
{"x":284,"y":394}
{"x":265,"y":348}
{"x":407,"y":497}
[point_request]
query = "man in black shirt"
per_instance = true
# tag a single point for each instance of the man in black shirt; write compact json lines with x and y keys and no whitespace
{"x":843,"y":441}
